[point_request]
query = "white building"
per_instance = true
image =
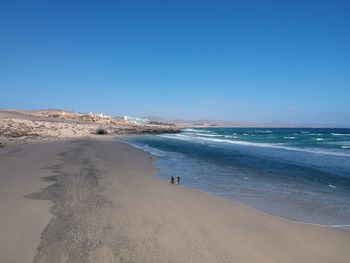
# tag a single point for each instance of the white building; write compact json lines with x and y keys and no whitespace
{"x":136,"y":120}
{"x":101,"y":115}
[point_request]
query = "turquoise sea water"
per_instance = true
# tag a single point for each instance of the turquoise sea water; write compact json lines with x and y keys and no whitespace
{"x":299,"y":174}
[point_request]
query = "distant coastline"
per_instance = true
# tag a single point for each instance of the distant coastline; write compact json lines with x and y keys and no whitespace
{"x":239,"y":124}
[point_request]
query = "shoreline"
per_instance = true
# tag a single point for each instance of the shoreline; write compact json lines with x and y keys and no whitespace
{"x":339,"y":227}
{"x":343,"y":227}
{"x":97,"y":184}
{"x":219,"y":172}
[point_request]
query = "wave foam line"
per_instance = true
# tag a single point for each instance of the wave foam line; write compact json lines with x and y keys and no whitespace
{"x":196,"y":130}
{"x":207,"y":135}
{"x":340,"y":134}
{"x":146,"y":148}
{"x":263,"y":131}
{"x":279,"y":147}
{"x":269,"y":145}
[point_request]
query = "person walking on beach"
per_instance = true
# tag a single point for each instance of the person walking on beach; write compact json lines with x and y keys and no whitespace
{"x":178,"y":180}
{"x":172,"y":180}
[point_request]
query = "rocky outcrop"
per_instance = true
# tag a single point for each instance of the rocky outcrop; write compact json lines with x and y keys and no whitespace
{"x":21,"y":127}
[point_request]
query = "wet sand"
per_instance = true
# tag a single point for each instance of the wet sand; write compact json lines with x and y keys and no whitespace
{"x":96,"y":200}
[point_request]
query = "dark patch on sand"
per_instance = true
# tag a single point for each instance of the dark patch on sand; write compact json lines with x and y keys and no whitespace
{"x":80,"y":227}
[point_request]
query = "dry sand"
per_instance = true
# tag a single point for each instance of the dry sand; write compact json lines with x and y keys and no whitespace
{"x":91,"y":200}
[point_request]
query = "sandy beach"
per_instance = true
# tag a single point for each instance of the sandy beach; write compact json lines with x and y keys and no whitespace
{"x":175,"y":131}
{"x":97,"y":200}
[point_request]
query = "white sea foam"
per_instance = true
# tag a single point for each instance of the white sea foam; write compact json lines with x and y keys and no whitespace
{"x":229,"y":136}
{"x":214,"y":140}
{"x":319,"y":139}
{"x":340,"y":134}
{"x":269,"y":145}
{"x":205,"y":131}
{"x":289,"y":137}
{"x":240,"y":142}
{"x":332,"y":186}
{"x":189,"y":130}
{"x":176,"y":137}
{"x":196,"y":130}
{"x":154,"y":151}
{"x":207,"y":135}
{"x":263,"y":131}
{"x":146,"y":148}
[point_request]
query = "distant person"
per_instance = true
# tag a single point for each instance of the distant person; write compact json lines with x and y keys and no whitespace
{"x":178,"y":180}
{"x":172,"y":180}
{"x":150,"y":158}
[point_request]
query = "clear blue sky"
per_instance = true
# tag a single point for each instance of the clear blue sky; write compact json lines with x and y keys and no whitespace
{"x":232,"y":60}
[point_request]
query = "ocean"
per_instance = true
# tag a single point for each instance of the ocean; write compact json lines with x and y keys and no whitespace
{"x":300,"y":174}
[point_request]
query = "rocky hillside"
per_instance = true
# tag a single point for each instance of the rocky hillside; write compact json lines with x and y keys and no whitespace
{"x":24,"y":126}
